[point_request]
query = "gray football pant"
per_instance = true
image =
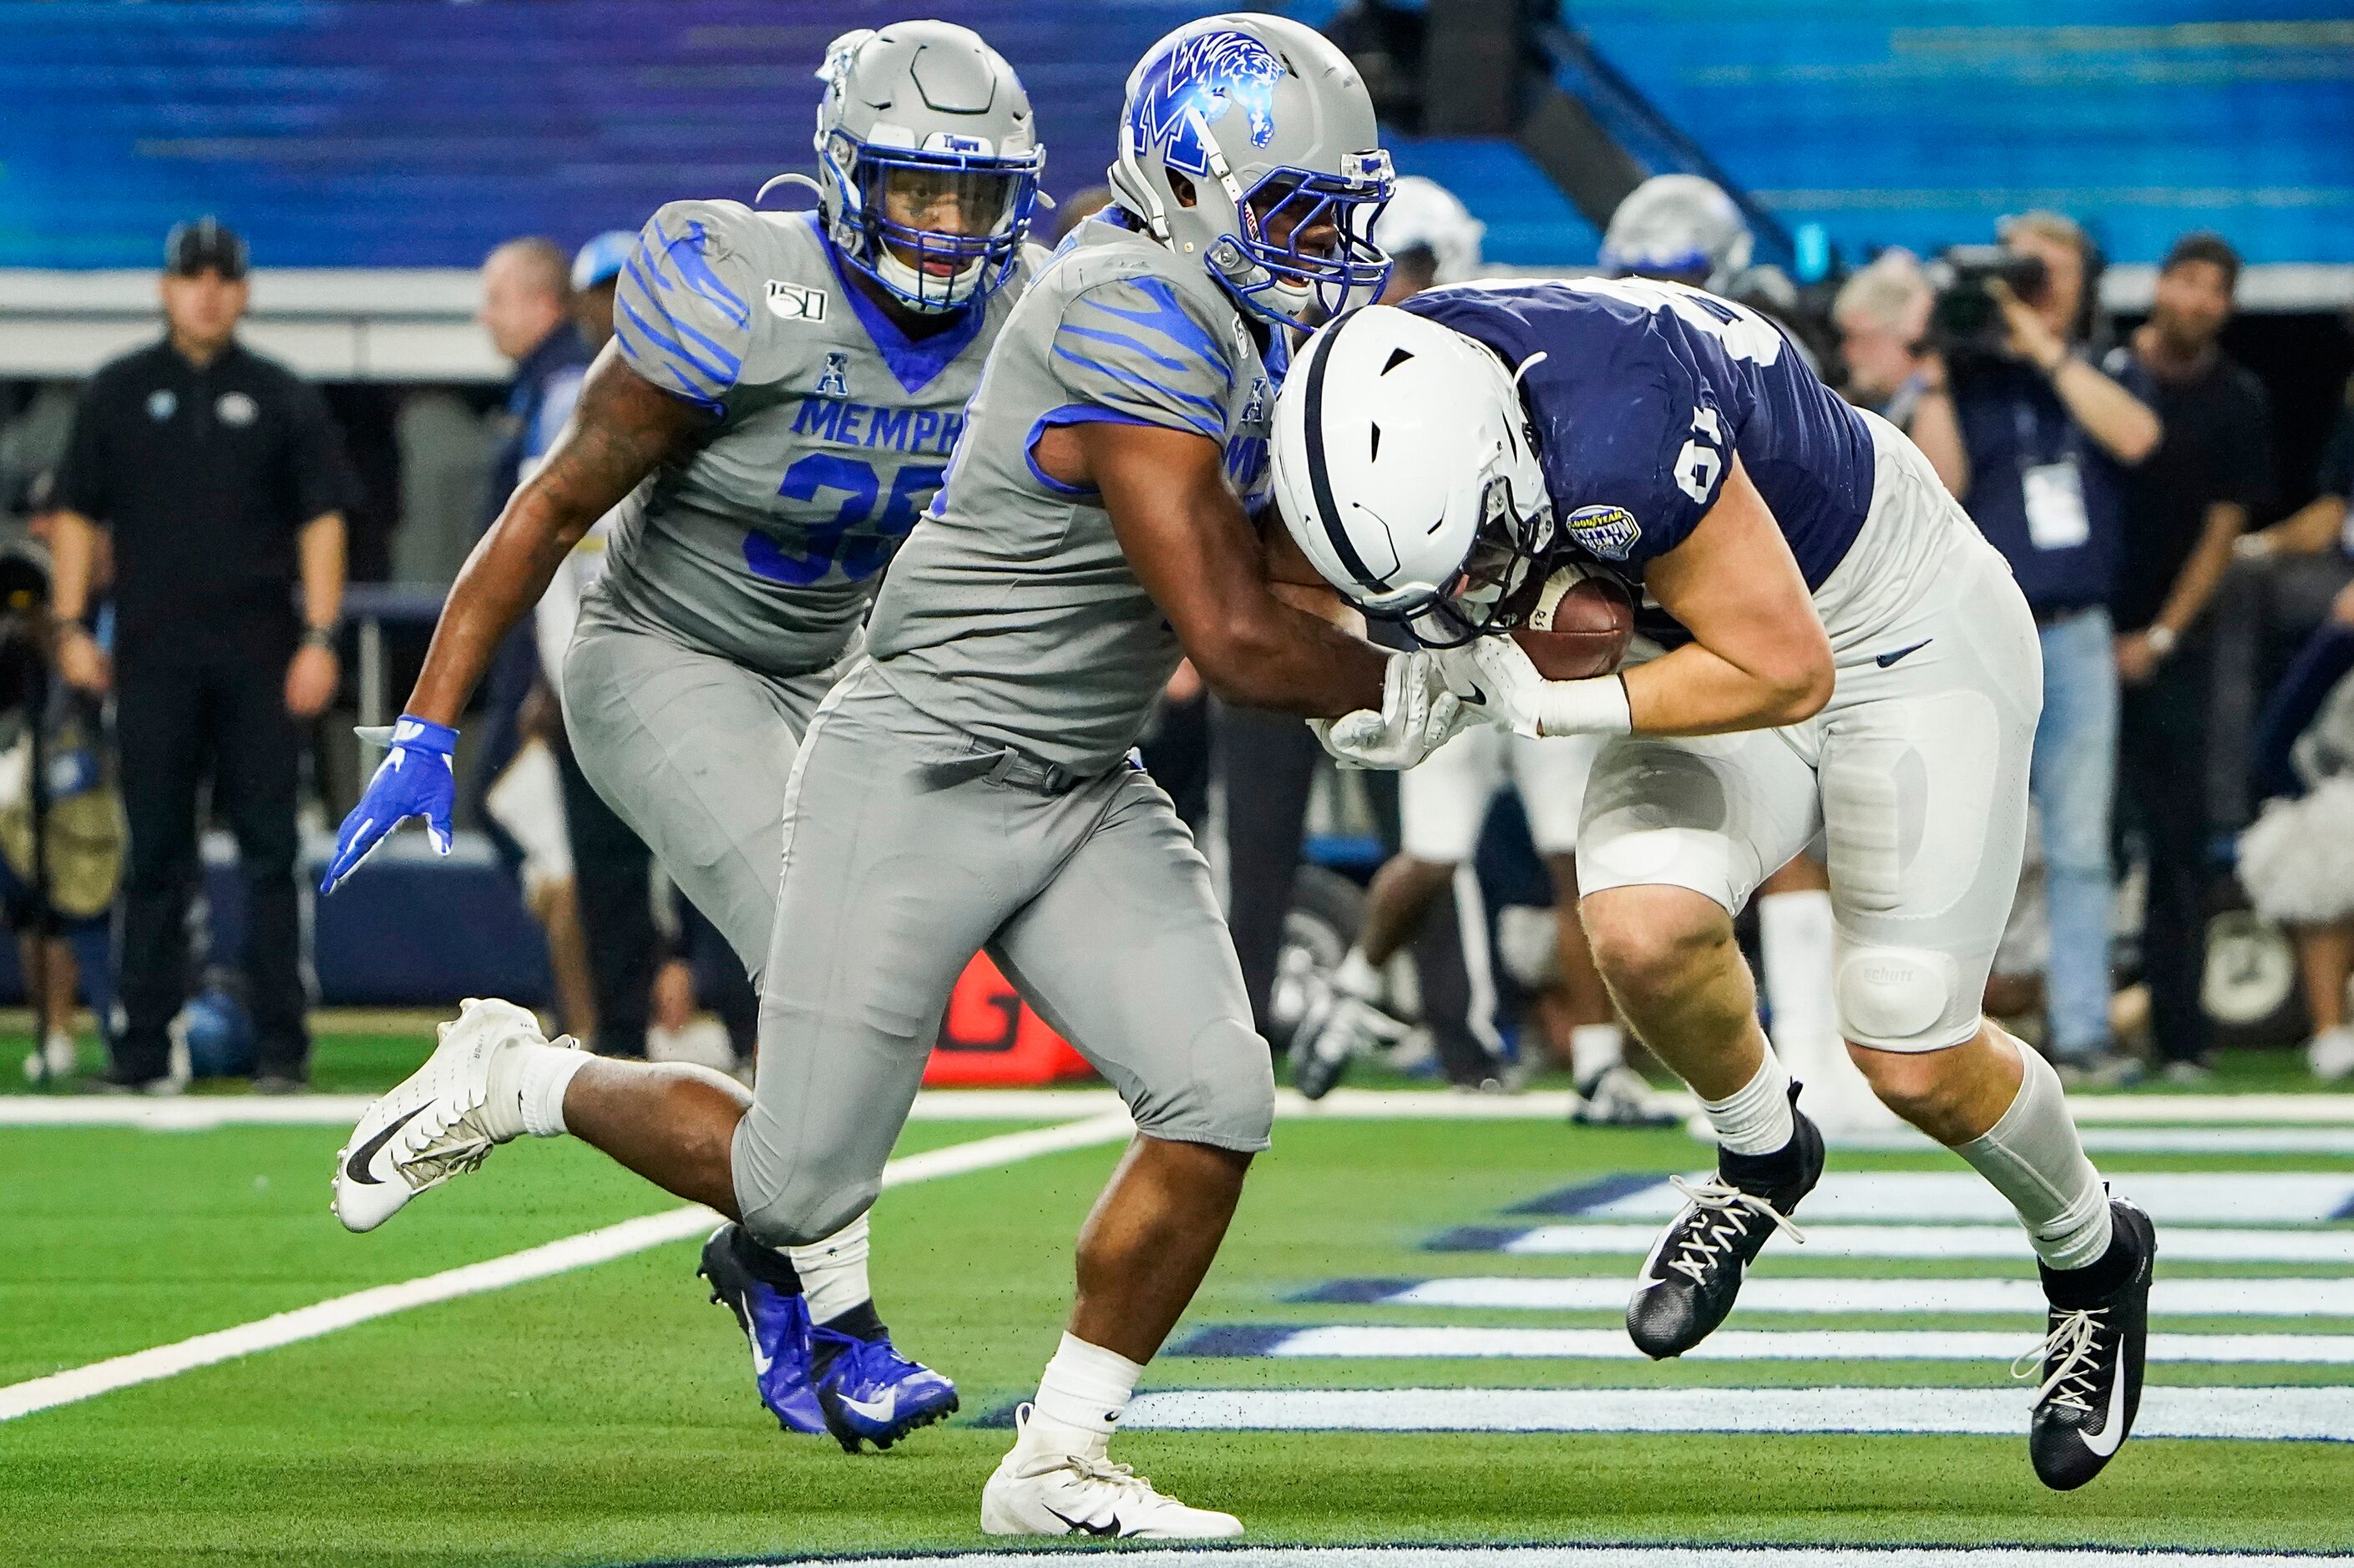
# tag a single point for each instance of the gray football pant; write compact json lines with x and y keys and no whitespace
{"x":909,"y":846}
{"x":693,"y":751}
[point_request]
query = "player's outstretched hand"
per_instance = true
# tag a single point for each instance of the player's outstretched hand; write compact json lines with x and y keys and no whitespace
{"x":1495,"y":682}
{"x":413,"y":781}
{"x":1418,"y":716}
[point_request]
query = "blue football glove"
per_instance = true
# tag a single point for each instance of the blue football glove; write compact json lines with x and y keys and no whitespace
{"x":413,"y":781}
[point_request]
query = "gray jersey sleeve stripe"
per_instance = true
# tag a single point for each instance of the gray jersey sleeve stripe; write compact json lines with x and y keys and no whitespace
{"x":1166,"y":317}
{"x":681,"y":324}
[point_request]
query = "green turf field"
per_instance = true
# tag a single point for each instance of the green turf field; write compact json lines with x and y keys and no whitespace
{"x":607,"y":1416}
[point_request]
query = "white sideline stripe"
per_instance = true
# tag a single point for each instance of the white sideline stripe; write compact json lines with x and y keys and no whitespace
{"x":1390,"y":1342}
{"x":2181,"y":1244}
{"x":1604,"y":1293}
{"x":2215,"y":1114}
{"x":2166,"y":1411}
{"x":1932,"y":1197}
{"x":1622,"y":1557}
{"x":590,"y":1248}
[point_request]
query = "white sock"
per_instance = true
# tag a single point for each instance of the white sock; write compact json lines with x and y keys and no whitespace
{"x":1756,"y":1118}
{"x":1359,"y":977}
{"x":528,"y":1086}
{"x":1594,"y":1049}
{"x":1795,"y":940}
{"x":1080,"y":1399}
{"x":834,"y":1271}
{"x":2033,"y":1157}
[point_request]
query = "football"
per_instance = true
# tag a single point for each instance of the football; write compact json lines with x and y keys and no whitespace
{"x":1579,"y":626}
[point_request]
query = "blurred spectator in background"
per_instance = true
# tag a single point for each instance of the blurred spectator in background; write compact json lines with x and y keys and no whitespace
{"x":2185,"y":505}
{"x":1078,"y":207}
{"x":1882,"y":314}
{"x":2279,"y":590}
{"x":2297,"y":861}
{"x":445,"y":465}
{"x":518,"y":776}
{"x":2042,"y":440}
{"x":220,"y":480}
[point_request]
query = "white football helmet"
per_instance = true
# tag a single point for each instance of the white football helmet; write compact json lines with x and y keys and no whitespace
{"x":1406,"y":469}
{"x":1678,"y":226}
{"x":1424,"y":214}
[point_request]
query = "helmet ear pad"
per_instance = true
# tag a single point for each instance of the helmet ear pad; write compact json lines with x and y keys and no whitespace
{"x":1405,"y":471}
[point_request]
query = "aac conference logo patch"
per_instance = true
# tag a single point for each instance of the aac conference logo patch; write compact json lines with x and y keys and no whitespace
{"x":791,"y":303}
{"x":1609,"y":531}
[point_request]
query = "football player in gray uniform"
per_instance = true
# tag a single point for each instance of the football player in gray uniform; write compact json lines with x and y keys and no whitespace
{"x":777,"y":408}
{"x":968,"y":784}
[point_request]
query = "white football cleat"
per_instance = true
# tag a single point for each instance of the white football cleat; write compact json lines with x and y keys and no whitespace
{"x":442,"y":1121}
{"x":1066,"y":1494}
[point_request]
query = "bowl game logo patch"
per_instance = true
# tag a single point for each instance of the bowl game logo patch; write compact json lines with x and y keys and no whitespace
{"x":1609,"y":531}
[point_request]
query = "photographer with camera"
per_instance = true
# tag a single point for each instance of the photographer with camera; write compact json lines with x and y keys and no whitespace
{"x":2041,"y":439}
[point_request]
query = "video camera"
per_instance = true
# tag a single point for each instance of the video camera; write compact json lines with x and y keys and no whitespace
{"x":1965,"y":319}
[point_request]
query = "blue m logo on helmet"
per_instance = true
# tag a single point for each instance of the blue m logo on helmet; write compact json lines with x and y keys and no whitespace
{"x":1196,"y":83}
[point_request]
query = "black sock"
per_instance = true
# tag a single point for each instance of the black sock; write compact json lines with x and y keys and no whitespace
{"x":860,"y":1322}
{"x":766,"y":1264}
{"x":2072,"y":1289}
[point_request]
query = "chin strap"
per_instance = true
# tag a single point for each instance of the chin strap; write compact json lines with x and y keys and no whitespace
{"x":795,"y":178}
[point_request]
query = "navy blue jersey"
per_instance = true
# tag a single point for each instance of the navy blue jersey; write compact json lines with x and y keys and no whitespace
{"x":1646,"y":390}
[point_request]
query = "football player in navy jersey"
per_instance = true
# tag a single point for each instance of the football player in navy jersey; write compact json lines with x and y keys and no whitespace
{"x":1828,"y":646}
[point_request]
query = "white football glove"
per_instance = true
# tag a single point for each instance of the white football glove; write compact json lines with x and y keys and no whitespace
{"x":1418,"y":716}
{"x":1495,"y":680}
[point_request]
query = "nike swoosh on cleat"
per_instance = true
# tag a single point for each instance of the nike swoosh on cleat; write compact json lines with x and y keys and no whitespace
{"x":1885,"y":660}
{"x":882,"y":1410}
{"x":356,"y":1166}
{"x":1478,"y":698}
{"x":761,"y":1360}
{"x":2113,"y":1431}
{"x":1106,"y":1529}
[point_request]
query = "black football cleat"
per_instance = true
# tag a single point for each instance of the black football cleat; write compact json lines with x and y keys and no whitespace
{"x":1694,"y":1271}
{"x":2091,"y":1361}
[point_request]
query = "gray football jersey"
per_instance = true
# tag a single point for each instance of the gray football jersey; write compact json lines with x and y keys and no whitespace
{"x":1012,"y":614}
{"x":764,"y":544}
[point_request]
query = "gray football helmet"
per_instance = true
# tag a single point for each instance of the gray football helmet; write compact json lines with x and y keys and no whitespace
{"x":1267,"y":129}
{"x":1681,"y":227}
{"x":928,"y":160}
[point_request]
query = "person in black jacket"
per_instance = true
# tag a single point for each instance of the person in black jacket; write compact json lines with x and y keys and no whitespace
{"x":221,"y":482}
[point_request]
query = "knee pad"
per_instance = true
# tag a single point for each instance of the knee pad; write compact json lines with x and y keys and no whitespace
{"x":1226,"y":1099}
{"x":1893,"y":998}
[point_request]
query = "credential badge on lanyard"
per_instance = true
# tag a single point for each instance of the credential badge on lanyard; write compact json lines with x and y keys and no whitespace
{"x":2053,"y":493}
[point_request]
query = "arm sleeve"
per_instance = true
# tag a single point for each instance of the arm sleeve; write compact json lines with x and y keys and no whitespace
{"x":682,"y":309}
{"x":1134,"y":349}
{"x":82,"y":472}
{"x":1651,"y":459}
{"x":324,"y":481}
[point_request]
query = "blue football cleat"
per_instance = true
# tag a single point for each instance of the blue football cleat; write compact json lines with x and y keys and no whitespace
{"x":869,"y":1391}
{"x":776,"y":1324}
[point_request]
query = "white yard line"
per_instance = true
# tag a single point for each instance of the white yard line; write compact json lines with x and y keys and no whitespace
{"x":2166,"y":1411}
{"x":2217,"y":1114}
{"x":2181,"y":1244}
{"x":1958,"y":1196}
{"x":1625,"y":1557}
{"x":534,"y":1262}
{"x":1393,"y":1342}
{"x":1607,"y":1293}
